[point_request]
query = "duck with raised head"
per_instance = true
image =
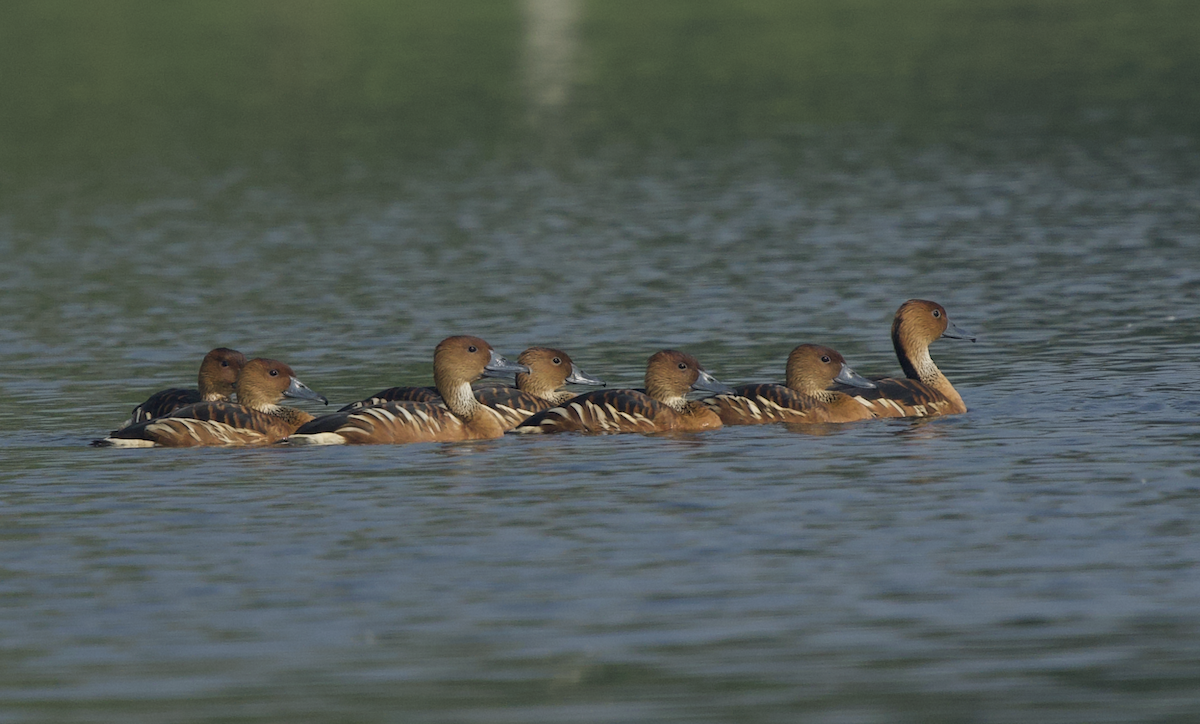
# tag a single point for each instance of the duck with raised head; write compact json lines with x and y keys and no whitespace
{"x":661,"y":407}
{"x":256,"y":419}
{"x":539,"y":389}
{"x":924,"y":391}
{"x":811,"y":370}
{"x":457,"y":362}
{"x":218,"y":375}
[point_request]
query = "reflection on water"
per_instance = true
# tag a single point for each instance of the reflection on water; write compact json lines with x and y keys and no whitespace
{"x":550,"y":50}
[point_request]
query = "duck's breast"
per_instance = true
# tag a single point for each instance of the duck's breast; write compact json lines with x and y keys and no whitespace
{"x":698,"y":417}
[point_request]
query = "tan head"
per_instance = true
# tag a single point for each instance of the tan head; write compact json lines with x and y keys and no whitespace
{"x":219,"y":372}
{"x":264,"y":382}
{"x":461,"y":360}
{"x":918,"y":323}
{"x":549,"y":369}
{"x":671,"y":374}
{"x":812,"y":369}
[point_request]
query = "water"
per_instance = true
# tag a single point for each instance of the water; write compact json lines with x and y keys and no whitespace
{"x":1032,"y":560}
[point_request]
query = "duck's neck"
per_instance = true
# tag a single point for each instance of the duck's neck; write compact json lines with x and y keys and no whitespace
{"x":918,"y":365}
{"x":291,"y":415}
{"x":537,"y":387}
{"x":829,"y":397}
{"x":914,"y":357}
{"x":803,"y":385}
{"x":459,"y":398}
{"x":668,"y":397}
{"x":558,"y":397}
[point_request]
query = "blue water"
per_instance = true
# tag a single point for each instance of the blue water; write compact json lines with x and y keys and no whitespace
{"x":1032,"y":560}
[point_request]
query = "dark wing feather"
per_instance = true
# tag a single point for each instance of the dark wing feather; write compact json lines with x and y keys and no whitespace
{"x":163,"y":403}
{"x":392,"y":394}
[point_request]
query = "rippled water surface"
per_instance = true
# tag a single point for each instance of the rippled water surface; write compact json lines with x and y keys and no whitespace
{"x":1032,"y":560}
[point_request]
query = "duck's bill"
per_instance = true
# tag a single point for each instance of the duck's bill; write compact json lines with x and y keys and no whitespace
{"x":849,"y":377}
{"x":579,"y":377}
{"x":298,"y":390}
{"x":708,"y":383}
{"x":953,"y":331}
{"x":497,"y":366}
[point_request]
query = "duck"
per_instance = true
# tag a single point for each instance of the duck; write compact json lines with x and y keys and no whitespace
{"x":256,"y":418}
{"x":811,"y":370}
{"x":218,"y":375}
{"x":539,"y":389}
{"x":457,"y":362}
{"x":661,"y":407}
{"x":924,"y":391}
{"x":536,"y":390}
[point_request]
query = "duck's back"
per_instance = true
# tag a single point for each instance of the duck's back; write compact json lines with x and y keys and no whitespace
{"x":397,"y":394}
{"x":605,"y":411}
{"x":399,"y":421}
{"x":204,"y":424}
{"x":762,"y":403}
{"x":164,"y":402}
{"x":513,"y":405}
{"x":904,"y":397}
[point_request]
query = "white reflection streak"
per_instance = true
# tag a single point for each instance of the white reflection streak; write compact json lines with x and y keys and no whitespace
{"x":551,"y":43}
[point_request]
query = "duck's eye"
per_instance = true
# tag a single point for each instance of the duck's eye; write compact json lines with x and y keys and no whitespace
{"x":556,"y":361}
{"x":937,"y":314}
{"x":274,"y":373}
{"x":472,"y":348}
{"x":683,"y":365}
{"x":825,"y":358}
{"x":224,"y":363}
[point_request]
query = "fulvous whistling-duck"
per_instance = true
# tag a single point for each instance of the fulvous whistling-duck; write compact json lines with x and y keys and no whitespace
{"x":662,"y":407}
{"x":256,"y":419}
{"x":457,"y":362}
{"x":218,"y":375}
{"x":924,"y":391}
{"x":811,"y":369}
{"x":537,"y":390}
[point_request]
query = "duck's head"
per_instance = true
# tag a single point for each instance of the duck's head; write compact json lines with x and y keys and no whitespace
{"x":464,"y":359}
{"x":671,"y":374}
{"x":812,"y":368}
{"x":219,"y":372}
{"x":920,"y":322}
{"x":550,"y":369}
{"x":264,"y":382}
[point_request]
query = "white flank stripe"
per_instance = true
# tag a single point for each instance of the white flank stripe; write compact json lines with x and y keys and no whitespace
{"x":125,"y":442}
{"x":317,"y":438}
